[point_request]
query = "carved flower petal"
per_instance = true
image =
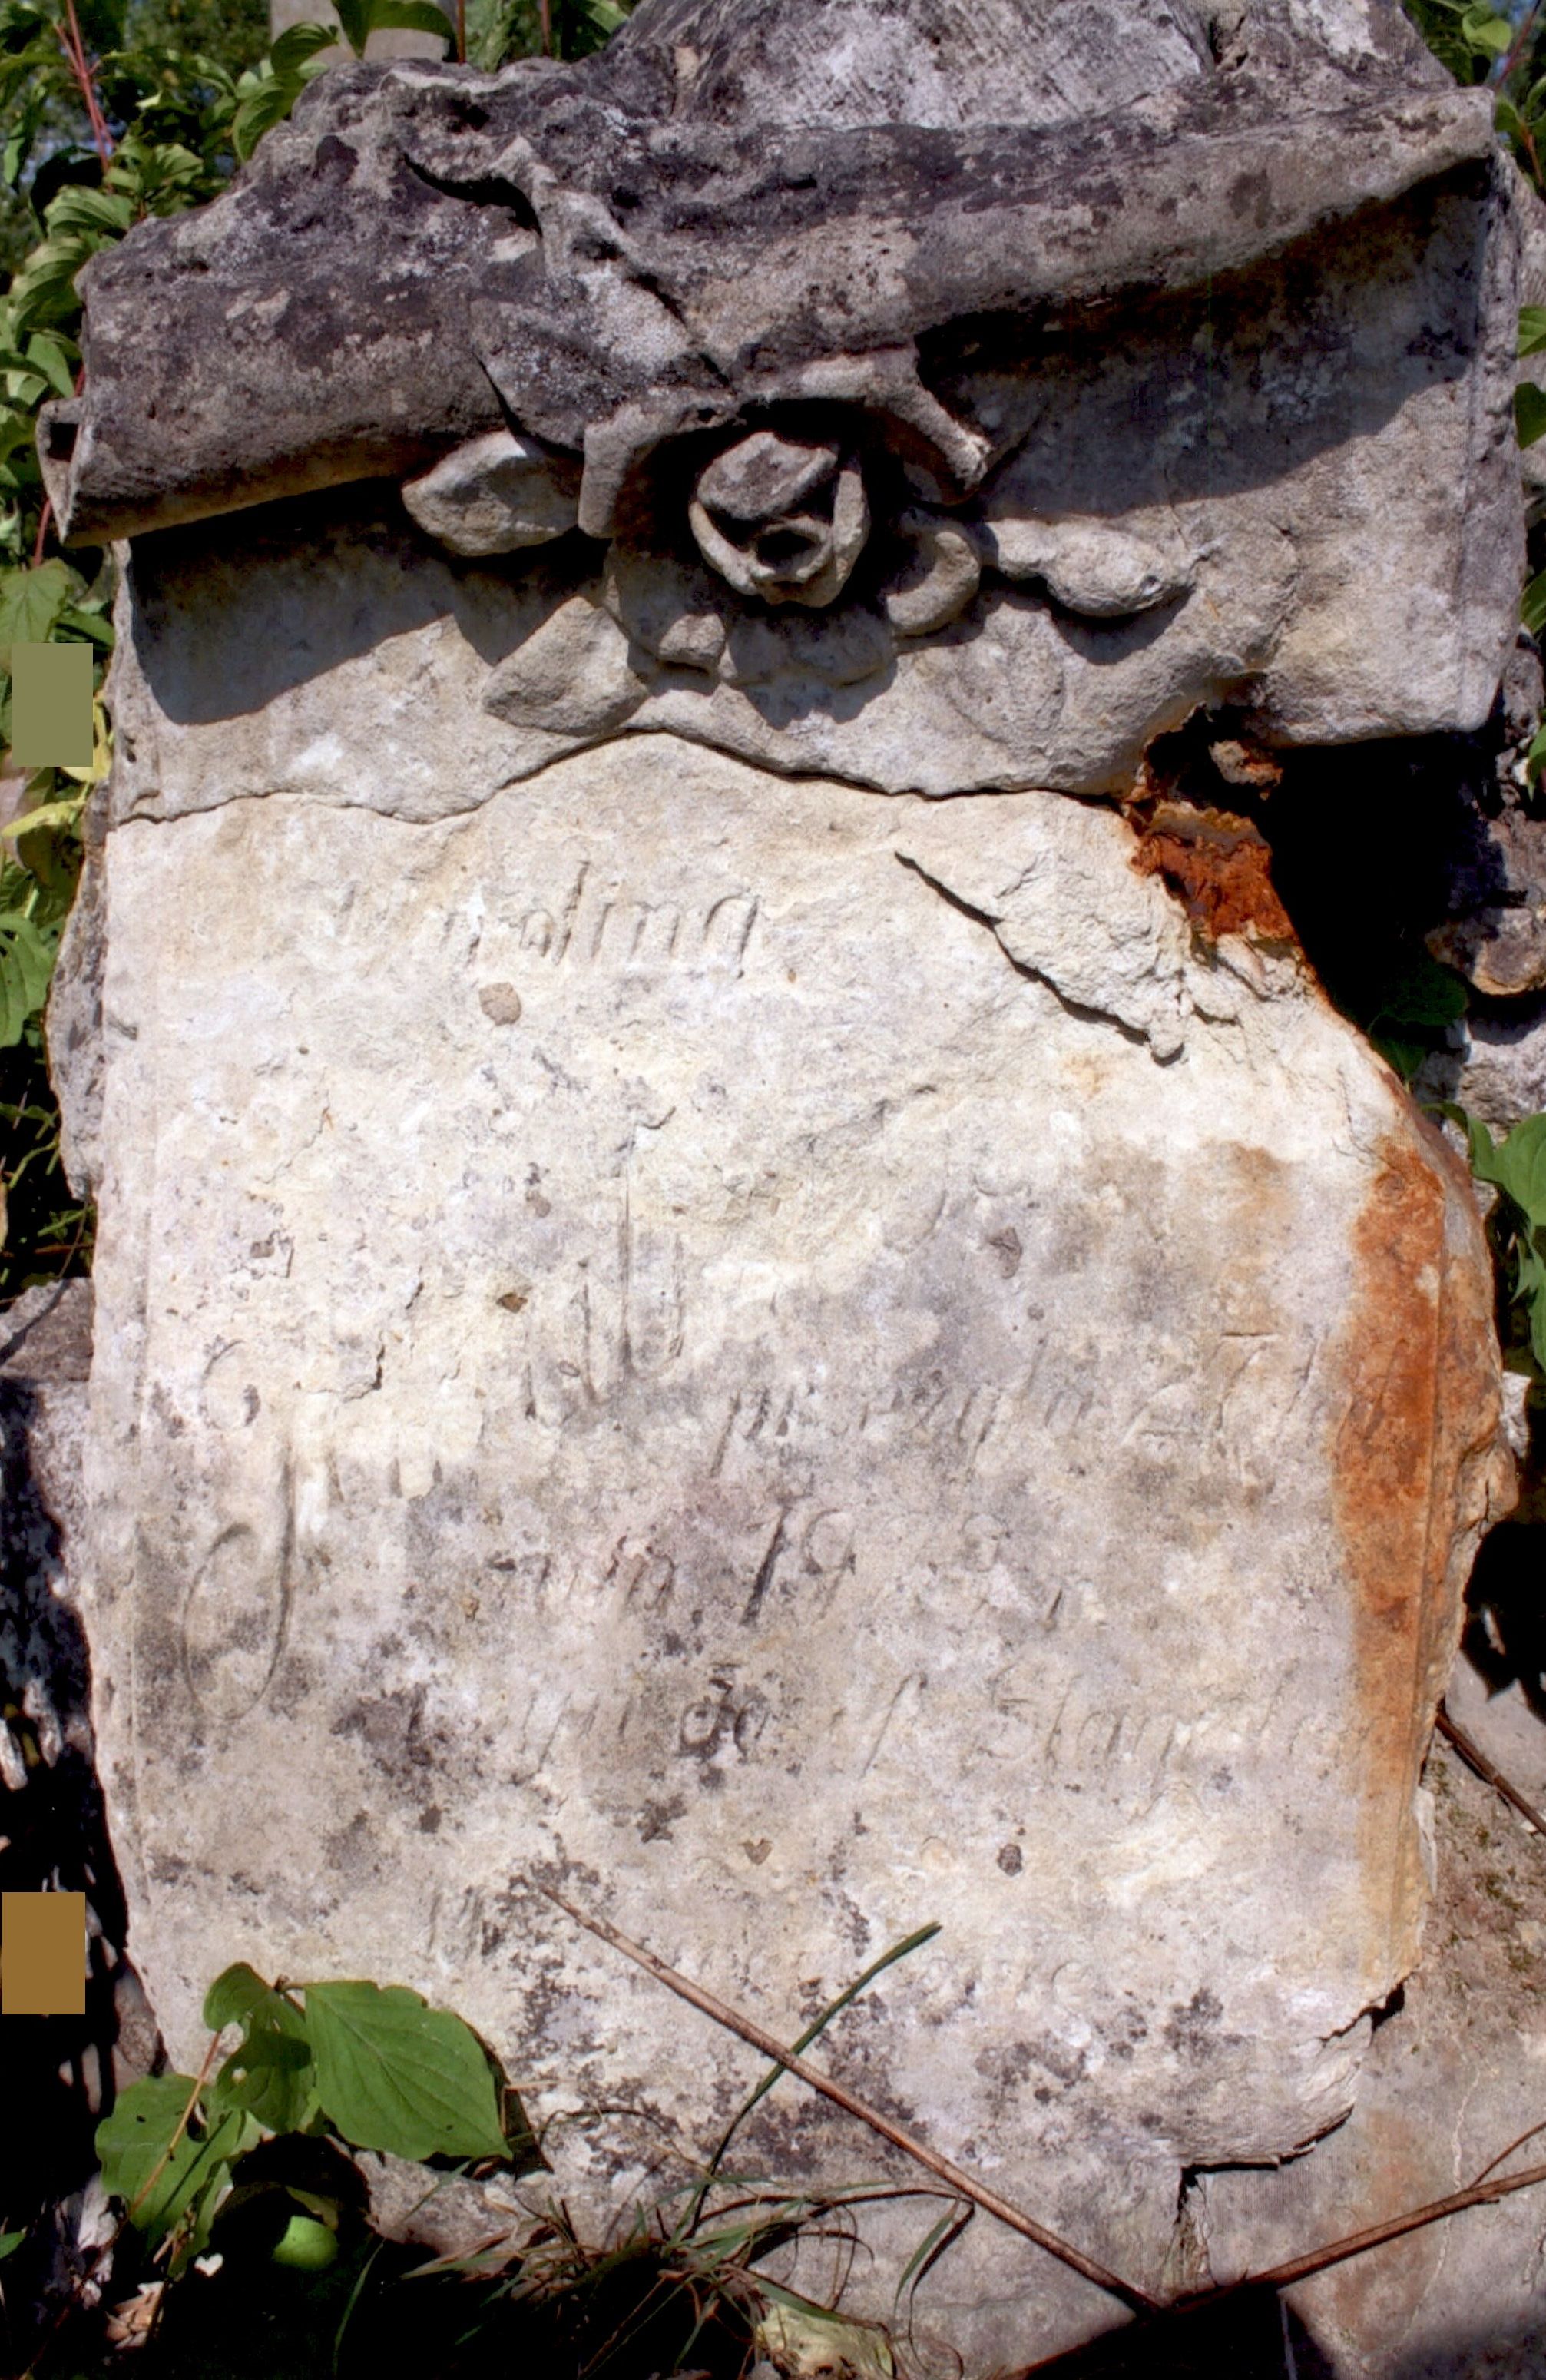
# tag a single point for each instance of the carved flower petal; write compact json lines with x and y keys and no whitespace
{"x":1101,"y":572}
{"x":936,"y":582}
{"x":765,"y":475}
{"x":494,"y":495}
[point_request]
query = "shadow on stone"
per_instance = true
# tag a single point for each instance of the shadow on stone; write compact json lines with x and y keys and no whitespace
{"x":1252,"y":2336}
{"x":57,"y":2073}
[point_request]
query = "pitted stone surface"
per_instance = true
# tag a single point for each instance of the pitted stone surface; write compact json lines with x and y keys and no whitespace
{"x":889,"y":1391}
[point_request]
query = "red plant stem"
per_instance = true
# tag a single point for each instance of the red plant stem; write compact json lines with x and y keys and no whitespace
{"x":85,"y":76}
{"x":461,"y":33}
{"x":1521,"y":39}
{"x":46,"y":515}
{"x":544,"y":11}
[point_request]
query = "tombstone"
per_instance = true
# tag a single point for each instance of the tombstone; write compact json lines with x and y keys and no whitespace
{"x":741,"y":1269}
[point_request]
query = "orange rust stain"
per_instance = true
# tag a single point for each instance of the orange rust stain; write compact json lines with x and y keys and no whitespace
{"x":1217,"y":865}
{"x":1412,"y":1457}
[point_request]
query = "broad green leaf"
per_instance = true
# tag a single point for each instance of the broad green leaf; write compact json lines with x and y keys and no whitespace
{"x":1519,"y":1168}
{"x":1532,"y":330}
{"x":306,"y":2244}
{"x":270,"y":2076}
{"x":16,"y":430}
{"x":264,"y":108}
{"x":1529,"y":412}
{"x":79,"y":208}
{"x":90,"y":625}
{"x":49,"y":357}
{"x":158,"y":2173}
{"x":10,"y":2242}
{"x":26,"y":964}
{"x":44,"y":291}
{"x":236,"y":1992}
{"x":270,"y":2079}
{"x":30,"y":601}
{"x":300,"y":42}
{"x":49,"y":814}
{"x":1400,"y":1052}
{"x":360,"y":18}
{"x":1425,"y":994}
{"x":1486,"y":31}
{"x":394,"y":2074}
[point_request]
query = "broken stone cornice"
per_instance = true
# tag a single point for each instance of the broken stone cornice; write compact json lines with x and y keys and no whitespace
{"x":608,"y":255}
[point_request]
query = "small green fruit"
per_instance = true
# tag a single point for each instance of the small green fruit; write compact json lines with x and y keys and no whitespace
{"x":307,"y":2246}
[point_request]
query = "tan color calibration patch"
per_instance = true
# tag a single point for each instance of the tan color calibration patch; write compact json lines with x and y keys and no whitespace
{"x":43,"y":1954}
{"x":51,"y":706}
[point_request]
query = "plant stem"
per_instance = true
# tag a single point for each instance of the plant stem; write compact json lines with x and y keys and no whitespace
{"x":1474,"y":1757}
{"x":85,"y":76}
{"x":1138,"y":2300}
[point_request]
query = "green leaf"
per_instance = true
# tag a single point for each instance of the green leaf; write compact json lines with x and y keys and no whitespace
{"x":301,"y":42}
{"x":44,"y":288}
{"x":89,"y":624}
{"x":79,"y":208}
{"x":306,"y":2245}
{"x":394,"y":2074}
{"x":1413,"y":1011}
{"x":1487,"y":32}
{"x":1532,"y":604}
{"x":236,"y":1992}
{"x":31,"y":602}
{"x":160,"y":2182}
{"x":1529,"y":412}
{"x":262,"y":108}
{"x":1532,"y":330}
{"x":270,"y":2077}
{"x":48,"y":356}
{"x":1518,"y":1166}
{"x":1426,"y":994}
{"x":10,"y":2242}
{"x":1532,"y":1295}
{"x":49,"y":815}
{"x":360,"y":18}
{"x":26,"y":966}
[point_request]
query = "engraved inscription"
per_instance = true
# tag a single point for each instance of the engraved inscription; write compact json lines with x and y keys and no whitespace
{"x":598,"y":922}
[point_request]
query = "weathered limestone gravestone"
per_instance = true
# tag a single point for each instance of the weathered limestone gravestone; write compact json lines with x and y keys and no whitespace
{"x":711,"y":1288}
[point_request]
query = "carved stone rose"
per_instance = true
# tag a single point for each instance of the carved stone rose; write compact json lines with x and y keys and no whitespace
{"x":782,"y":519}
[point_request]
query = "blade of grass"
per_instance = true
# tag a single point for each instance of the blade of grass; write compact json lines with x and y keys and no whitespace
{"x":1013,"y":2217}
{"x":943,"y":2235}
{"x":811,"y":2033}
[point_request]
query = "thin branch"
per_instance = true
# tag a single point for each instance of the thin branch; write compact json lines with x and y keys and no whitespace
{"x":1474,"y":1757}
{"x":1358,"y":2243}
{"x":85,"y":74}
{"x":1520,"y":45}
{"x":1503,"y":2154}
{"x":138,"y":2201}
{"x":941,"y":2168}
